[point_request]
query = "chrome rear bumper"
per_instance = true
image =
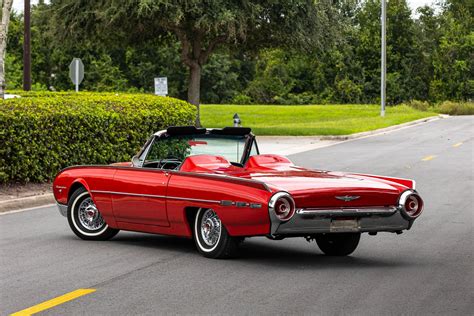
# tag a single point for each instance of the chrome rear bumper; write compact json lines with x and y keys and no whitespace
{"x":366,"y":219}
{"x":356,"y":212}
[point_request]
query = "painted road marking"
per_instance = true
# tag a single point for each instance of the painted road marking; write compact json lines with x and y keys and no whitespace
{"x":428,"y":158}
{"x":457,"y":145}
{"x":54,"y":302}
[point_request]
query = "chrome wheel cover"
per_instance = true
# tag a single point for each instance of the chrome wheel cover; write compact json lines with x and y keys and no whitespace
{"x":89,"y":215}
{"x":211,"y":228}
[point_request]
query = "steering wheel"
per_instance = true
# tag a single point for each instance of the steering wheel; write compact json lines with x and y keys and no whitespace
{"x":173,"y":161}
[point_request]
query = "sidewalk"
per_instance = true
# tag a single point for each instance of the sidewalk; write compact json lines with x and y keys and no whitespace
{"x":289,"y":145}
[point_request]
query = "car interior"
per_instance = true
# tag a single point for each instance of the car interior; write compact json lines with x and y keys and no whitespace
{"x":169,"y":150}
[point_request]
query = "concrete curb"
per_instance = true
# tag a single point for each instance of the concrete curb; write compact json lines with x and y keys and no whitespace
{"x":26,"y":202}
{"x":382,"y":130}
{"x":359,"y":135}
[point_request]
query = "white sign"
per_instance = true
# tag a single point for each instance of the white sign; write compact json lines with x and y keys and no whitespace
{"x":76,"y":72}
{"x":161,"y":86}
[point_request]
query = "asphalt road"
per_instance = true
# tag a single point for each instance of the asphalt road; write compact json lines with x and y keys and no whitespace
{"x":426,"y":270}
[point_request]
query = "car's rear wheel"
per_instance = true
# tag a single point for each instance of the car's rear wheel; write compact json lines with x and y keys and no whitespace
{"x":85,"y":219}
{"x":211,"y":237}
{"x":338,"y":244}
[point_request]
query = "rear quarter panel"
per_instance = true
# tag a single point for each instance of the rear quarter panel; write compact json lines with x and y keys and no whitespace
{"x":239,"y":221}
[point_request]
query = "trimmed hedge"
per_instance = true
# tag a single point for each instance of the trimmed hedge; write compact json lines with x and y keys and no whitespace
{"x":55,"y":94}
{"x":41,"y":134}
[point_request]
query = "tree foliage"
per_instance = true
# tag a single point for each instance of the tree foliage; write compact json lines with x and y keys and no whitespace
{"x":199,"y":26}
{"x":282,"y":52}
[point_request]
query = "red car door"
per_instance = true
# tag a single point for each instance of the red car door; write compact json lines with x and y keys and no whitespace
{"x":140,"y":196}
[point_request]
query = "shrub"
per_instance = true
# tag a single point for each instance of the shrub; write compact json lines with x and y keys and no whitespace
{"x":456,"y":108}
{"x":419,"y":105}
{"x":241,"y":99}
{"x":42,"y":135}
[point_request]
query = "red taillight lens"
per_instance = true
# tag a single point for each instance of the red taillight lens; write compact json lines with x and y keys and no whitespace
{"x":413,"y":205}
{"x":282,"y":205}
{"x":282,"y":208}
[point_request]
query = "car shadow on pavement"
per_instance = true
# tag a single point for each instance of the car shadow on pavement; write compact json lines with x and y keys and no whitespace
{"x":285,"y":256}
{"x":159,"y":242}
{"x":266,"y":253}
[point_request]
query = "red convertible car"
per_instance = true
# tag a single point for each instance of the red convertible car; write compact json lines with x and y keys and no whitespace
{"x":212,"y":185}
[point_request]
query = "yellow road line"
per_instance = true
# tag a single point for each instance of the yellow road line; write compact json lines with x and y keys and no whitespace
{"x":457,"y":145}
{"x":54,"y":302}
{"x":427,"y":158}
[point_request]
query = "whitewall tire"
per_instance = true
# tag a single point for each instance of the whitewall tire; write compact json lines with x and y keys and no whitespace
{"x":211,"y":237}
{"x":85,"y":219}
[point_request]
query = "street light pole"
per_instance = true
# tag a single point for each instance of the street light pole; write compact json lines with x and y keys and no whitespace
{"x":383,"y":75}
{"x":27,"y":48}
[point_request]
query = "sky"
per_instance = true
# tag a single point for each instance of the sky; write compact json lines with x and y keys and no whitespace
{"x":18,"y":4}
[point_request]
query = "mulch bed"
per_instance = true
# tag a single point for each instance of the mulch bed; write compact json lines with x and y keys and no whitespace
{"x":14,"y":191}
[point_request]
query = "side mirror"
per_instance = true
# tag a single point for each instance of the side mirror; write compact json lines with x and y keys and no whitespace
{"x":136,"y":162}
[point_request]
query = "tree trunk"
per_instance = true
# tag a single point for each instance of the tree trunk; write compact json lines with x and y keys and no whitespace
{"x":194,"y":56}
{"x":6,"y":9}
{"x":194,"y":89}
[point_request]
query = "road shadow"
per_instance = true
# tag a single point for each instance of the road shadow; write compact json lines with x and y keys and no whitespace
{"x":287,"y":257}
{"x":159,"y":242}
{"x":265,"y":253}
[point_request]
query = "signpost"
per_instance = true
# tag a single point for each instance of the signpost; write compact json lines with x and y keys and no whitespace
{"x":161,"y":86}
{"x":76,"y":72}
{"x":383,"y":66}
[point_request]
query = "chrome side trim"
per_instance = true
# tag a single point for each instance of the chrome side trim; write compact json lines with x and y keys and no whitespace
{"x":62,"y":209}
{"x":130,"y":194}
{"x":156,"y":196}
{"x":193,"y":200}
{"x":362,"y":211}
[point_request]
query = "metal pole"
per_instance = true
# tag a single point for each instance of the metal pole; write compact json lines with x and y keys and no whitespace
{"x":383,"y":76}
{"x":76,"y":65}
{"x":27,"y":48}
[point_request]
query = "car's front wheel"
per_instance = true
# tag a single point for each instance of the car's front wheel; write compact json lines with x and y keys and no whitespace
{"x":211,"y":237}
{"x":85,"y":219}
{"x":338,"y":244}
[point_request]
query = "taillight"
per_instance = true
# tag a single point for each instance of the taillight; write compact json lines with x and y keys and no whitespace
{"x":411,"y":204}
{"x":282,"y":205}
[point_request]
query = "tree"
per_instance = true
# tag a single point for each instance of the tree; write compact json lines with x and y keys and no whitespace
{"x":453,"y":62}
{"x":6,"y":10}
{"x":201,"y":26}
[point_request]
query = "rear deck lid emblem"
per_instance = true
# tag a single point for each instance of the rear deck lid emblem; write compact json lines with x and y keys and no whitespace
{"x":347,"y":198}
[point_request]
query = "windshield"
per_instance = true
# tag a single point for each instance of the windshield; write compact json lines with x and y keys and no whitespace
{"x":180,"y":147}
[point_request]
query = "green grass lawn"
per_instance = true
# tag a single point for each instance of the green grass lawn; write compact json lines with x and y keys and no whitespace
{"x":309,"y":119}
